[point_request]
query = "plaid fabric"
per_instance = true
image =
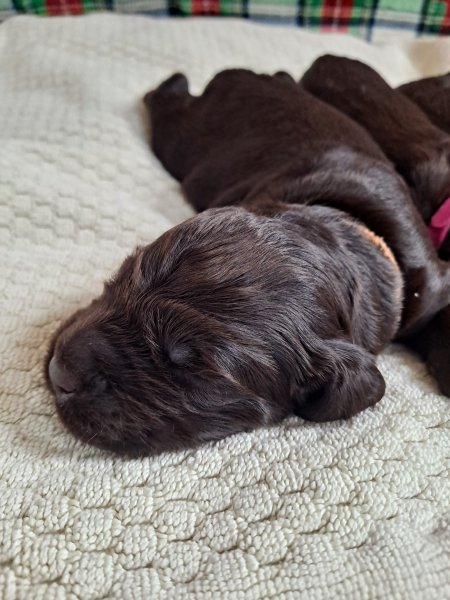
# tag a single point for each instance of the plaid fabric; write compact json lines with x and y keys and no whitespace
{"x":358,"y":17}
{"x":79,"y":7}
{"x":363,"y":18}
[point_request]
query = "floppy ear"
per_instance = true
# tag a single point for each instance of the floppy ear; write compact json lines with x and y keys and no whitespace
{"x":352,"y":383}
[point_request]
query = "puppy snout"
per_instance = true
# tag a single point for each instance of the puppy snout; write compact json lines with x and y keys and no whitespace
{"x":63,"y":381}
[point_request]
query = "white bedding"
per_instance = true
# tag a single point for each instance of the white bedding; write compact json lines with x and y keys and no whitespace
{"x":353,"y":510}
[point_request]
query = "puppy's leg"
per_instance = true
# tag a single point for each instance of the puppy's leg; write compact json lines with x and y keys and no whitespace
{"x":433,"y":344}
{"x":419,"y":150}
{"x":167,"y":106}
{"x":432,"y":95}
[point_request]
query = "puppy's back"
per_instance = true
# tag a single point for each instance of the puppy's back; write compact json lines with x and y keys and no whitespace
{"x":243,"y":129}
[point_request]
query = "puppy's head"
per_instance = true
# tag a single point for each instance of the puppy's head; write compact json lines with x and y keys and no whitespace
{"x":221,"y":325}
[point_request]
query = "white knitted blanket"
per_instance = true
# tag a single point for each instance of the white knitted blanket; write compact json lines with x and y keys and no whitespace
{"x":353,"y":510}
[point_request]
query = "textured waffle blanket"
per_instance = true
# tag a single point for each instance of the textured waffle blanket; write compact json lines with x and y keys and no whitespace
{"x":353,"y":510}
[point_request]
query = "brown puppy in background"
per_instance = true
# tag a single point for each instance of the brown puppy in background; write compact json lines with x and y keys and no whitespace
{"x":275,"y":305}
{"x":419,"y":150}
{"x":432,"y":95}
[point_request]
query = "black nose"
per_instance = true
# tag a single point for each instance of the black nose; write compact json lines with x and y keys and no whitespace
{"x":63,"y":381}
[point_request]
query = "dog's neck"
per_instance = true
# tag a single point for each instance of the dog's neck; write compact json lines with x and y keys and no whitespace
{"x":397,"y":276}
{"x":380,"y":244}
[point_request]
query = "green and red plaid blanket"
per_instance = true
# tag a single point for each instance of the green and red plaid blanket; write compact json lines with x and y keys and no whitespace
{"x":364,"y":18}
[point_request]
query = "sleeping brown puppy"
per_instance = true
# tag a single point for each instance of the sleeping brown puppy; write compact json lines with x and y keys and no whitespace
{"x":275,"y":305}
{"x":419,"y":150}
{"x":432,"y":95}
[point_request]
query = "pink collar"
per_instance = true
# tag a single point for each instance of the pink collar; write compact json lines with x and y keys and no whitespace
{"x":440,"y":224}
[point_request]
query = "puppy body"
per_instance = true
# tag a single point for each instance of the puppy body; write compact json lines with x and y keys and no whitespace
{"x":247,"y":313}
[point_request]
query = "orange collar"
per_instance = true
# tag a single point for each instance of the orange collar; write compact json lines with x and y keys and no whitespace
{"x":379,"y":242}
